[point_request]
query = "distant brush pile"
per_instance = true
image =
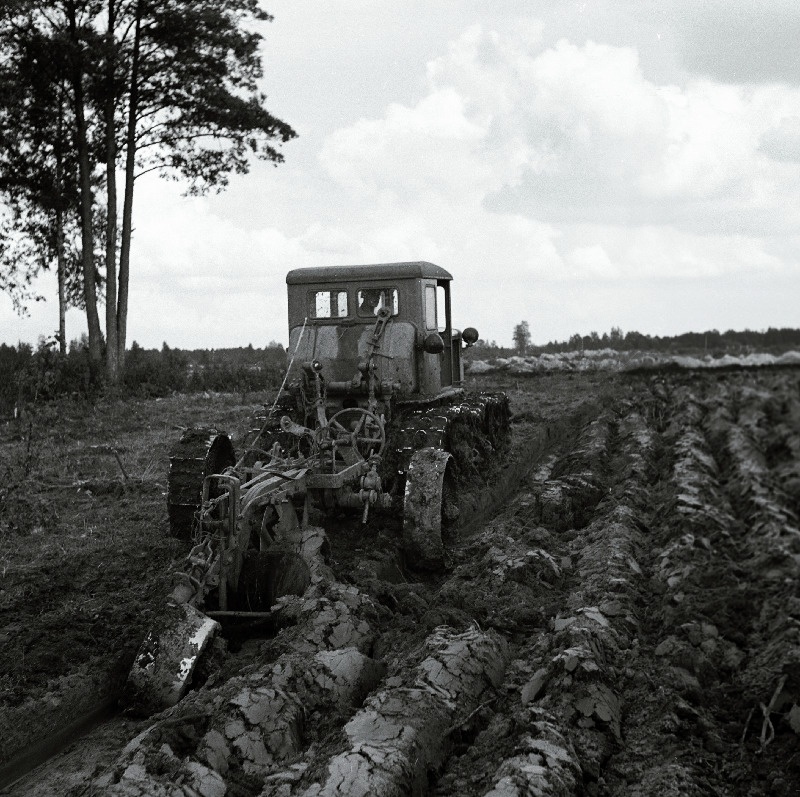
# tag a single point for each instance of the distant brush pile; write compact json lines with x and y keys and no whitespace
{"x":612,"y":360}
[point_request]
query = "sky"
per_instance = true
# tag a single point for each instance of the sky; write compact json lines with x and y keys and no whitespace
{"x":578,"y":165}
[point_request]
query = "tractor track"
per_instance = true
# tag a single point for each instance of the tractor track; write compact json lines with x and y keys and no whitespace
{"x":620,"y":616}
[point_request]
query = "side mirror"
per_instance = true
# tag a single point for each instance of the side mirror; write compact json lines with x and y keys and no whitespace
{"x":470,"y":336}
{"x":433,"y":344}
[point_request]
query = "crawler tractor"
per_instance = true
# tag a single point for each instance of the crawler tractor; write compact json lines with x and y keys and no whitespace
{"x":372,"y":416}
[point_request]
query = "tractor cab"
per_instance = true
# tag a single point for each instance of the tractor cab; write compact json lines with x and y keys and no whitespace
{"x":375,"y":334}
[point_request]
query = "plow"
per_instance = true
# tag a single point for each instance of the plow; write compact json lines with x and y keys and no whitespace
{"x":372,"y":418}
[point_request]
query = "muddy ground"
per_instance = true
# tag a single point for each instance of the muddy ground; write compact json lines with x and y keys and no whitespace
{"x":620,"y":614}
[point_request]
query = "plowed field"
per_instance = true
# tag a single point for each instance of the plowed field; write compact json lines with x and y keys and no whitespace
{"x":620,"y":614}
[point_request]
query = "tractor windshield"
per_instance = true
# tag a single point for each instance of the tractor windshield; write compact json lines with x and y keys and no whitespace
{"x":370,"y":300}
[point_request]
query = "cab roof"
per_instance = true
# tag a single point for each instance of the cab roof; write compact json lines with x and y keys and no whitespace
{"x":376,"y":271}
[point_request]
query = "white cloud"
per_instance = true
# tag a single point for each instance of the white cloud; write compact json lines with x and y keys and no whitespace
{"x":329,"y":239}
{"x":592,"y":260}
{"x":569,"y":135}
{"x":782,"y":142}
{"x":658,"y":252}
{"x":428,"y":147}
{"x":591,"y":90}
{"x":739,"y":41}
{"x":477,"y":65}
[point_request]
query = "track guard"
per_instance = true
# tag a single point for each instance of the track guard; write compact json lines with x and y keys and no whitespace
{"x":164,"y":664}
{"x":422,"y":508}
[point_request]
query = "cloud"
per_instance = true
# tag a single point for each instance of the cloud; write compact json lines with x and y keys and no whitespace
{"x":782,"y":142}
{"x":572,"y":134}
{"x":739,"y":41}
{"x":329,"y":239}
{"x":519,"y":165}
{"x":593,"y":260}
{"x":428,"y":147}
{"x":642,"y":153}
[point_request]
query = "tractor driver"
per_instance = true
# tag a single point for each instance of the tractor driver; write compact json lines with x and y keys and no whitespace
{"x":370,"y":300}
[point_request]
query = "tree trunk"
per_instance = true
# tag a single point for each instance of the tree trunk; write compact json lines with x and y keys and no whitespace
{"x":112,"y":358}
{"x":62,"y":275}
{"x":127,"y":209}
{"x":87,"y":198}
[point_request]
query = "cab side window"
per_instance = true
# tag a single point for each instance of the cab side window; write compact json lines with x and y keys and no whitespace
{"x":441,"y":305}
{"x":430,"y":307}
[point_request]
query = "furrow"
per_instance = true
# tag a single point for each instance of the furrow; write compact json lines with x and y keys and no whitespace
{"x":668,"y":723}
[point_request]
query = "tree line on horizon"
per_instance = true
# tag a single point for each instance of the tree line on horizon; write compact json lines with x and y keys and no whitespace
{"x":93,"y":89}
{"x":712,"y":341}
{"x":29,"y":374}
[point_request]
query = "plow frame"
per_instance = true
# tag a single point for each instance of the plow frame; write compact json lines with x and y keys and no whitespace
{"x":229,"y":505}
